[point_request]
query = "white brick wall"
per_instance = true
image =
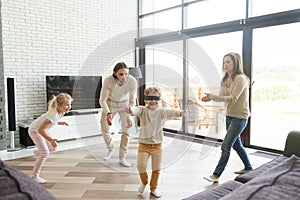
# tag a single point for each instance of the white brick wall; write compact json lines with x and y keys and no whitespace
{"x":62,"y":37}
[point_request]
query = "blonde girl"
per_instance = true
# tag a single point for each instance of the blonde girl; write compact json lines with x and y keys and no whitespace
{"x":39,"y":131}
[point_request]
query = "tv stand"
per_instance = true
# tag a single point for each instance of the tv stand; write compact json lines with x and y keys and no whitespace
{"x":82,"y":123}
{"x":83,"y":112}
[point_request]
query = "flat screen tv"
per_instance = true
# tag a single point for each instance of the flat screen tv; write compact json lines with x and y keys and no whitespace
{"x":85,"y":90}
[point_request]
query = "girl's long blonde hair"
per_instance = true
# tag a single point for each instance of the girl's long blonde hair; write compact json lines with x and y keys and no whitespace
{"x":58,"y":100}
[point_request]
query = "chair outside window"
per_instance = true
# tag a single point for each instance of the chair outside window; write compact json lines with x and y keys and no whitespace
{"x":201,"y":115}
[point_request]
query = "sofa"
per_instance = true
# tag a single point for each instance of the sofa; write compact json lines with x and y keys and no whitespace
{"x":15,"y":185}
{"x":278,"y":179}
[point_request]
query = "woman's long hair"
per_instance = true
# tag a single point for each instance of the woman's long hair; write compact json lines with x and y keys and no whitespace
{"x":237,"y":67}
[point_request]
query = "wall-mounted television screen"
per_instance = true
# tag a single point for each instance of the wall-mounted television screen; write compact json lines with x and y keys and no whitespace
{"x":85,"y":90}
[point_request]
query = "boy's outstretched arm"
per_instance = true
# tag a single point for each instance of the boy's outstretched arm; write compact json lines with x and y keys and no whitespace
{"x":128,"y":110}
{"x":183,"y":112}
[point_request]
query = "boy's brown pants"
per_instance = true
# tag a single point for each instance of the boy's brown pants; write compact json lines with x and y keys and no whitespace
{"x":144,"y":152}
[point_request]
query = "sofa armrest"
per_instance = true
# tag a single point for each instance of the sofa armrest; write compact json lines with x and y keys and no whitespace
{"x":280,"y":182}
{"x":244,"y":178}
{"x":292,"y":144}
{"x":18,"y":186}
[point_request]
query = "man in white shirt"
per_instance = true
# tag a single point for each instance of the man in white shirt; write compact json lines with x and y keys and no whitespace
{"x":117,"y":91}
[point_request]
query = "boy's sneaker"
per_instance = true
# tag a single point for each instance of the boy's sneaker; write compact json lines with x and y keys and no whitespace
{"x":108,"y":155}
{"x":124,"y":162}
{"x":142,"y":188}
{"x":212,"y":178}
{"x":39,"y":180}
{"x":156,"y":193}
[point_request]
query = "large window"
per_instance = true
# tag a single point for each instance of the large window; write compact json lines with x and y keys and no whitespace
{"x":276,"y":91}
{"x":263,"y":7}
{"x":264,"y":32}
{"x":149,"y":6}
{"x":161,"y":22}
{"x":214,"y":11}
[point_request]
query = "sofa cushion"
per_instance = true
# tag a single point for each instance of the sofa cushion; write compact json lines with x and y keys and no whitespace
{"x":217,"y":192}
{"x":16,"y":185}
{"x":280,"y":182}
{"x":243,"y":178}
{"x":292,"y":144}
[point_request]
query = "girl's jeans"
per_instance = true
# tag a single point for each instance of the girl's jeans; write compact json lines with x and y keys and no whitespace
{"x":235,"y":127}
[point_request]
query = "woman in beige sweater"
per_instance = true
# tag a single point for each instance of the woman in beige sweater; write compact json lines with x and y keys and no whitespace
{"x":235,"y":93}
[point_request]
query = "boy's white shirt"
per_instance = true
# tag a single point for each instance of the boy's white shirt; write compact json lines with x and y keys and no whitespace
{"x":151,"y":123}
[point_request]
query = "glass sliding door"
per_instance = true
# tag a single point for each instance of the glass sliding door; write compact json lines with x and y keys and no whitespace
{"x":205,"y":58}
{"x":164,"y":69}
{"x":276,"y":91}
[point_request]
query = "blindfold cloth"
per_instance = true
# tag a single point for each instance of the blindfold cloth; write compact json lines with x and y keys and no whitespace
{"x":157,"y":98}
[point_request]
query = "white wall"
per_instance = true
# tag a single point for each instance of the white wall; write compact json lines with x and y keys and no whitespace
{"x":62,"y":37}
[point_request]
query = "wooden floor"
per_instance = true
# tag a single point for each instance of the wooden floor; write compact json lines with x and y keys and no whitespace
{"x":81,"y":174}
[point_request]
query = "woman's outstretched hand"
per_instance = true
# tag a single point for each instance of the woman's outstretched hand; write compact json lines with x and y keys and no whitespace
{"x":206,"y":98}
{"x":183,"y":112}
